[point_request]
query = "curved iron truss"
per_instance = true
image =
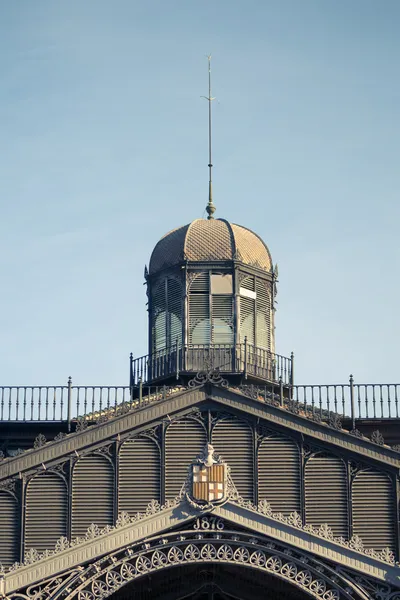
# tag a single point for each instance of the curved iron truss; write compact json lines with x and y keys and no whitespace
{"x":110,"y":573}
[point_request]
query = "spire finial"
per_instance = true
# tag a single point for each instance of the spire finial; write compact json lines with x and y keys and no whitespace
{"x":210,"y":208}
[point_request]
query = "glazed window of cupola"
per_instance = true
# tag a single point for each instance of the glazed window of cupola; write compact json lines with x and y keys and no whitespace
{"x":167,"y":315}
{"x":211,"y":309}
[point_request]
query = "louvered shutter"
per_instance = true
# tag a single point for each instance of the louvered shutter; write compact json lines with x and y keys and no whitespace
{"x":139,"y":475}
{"x":10,"y":531}
{"x":279,"y":474}
{"x":92,"y":493}
{"x":326,"y":493}
{"x":174,"y":302}
{"x":199,"y":310}
{"x":199,"y":320}
{"x":233,"y":440}
{"x":263,"y":316}
{"x":222,"y":319}
{"x":184,"y":441}
{"x":46,"y":512}
{"x":248,"y":283}
{"x":159,"y":318}
{"x":374,"y":517}
{"x":200,"y":283}
{"x":247,"y":308}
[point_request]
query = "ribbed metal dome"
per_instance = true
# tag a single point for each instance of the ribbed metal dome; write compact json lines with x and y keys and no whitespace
{"x":210,"y":240}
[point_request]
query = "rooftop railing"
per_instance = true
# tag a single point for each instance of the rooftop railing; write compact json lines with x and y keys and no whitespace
{"x":68,"y":402}
{"x":355,"y":401}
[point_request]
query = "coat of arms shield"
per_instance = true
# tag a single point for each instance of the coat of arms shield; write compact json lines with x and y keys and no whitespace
{"x":209,"y":478}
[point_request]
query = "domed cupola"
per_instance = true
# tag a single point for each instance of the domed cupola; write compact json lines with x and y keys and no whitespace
{"x":211,"y":288}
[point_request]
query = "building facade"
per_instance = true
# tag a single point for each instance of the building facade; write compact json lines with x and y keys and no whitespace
{"x":211,"y":474}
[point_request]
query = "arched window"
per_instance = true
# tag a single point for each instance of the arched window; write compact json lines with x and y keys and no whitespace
{"x":255,"y":312}
{"x":211,"y":309}
{"x":247,"y":310}
{"x":279,"y":473}
{"x":166,"y":315}
{"x":9,"y":528}
{"x":233,"y":440}
{"x":326,"y":493}
{"x":374,"y":514}
{"x":92,"y":493}
{"x":184,"y":441}
{"x":139,"y":475}
{"x":46,"y":511}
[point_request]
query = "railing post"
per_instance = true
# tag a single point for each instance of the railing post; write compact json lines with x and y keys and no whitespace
{"x":353,"y":415}
{"x":291,"y":369}
{"x":131,"y":377}
{"x":69,"y":400}
{"x":177,"y":359}
{"x":281,"y":390}
{"x":245,"y":357}
{"x":291,"y":380}
{"x":140,"y":390}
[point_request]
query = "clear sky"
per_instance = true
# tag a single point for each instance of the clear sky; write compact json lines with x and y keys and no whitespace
{"x":103,"y":149}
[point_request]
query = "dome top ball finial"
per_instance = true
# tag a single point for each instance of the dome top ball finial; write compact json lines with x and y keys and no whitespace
{"x":210,"y":208}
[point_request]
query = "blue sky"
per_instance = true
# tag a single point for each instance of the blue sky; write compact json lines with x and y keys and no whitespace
{"x":103,"y":149}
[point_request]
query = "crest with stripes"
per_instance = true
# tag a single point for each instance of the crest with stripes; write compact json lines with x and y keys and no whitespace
{"x":209,"y":478}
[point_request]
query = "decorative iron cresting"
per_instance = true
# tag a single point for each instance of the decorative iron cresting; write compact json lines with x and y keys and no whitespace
{"x":209,"y":374}
{"x":108,"y":574}
{"x":94,"y":531}
{"x":264,"y":508}
{"x":201,"y":378}
{"x":39,"y":441}
{"x":8,"y":484}
{"x":323,"y":531}
{"x":313,"y":405}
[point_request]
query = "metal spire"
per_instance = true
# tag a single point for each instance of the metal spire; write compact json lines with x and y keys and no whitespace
{"x":210,"y":208}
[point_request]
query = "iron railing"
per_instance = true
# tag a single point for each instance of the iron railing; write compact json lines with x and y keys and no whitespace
{"x":358,"y":402}
{"x":63,"y":404}
{"x":227,"y":358}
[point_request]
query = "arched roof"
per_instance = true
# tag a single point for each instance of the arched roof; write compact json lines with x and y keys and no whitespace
{"x":210,"y":240}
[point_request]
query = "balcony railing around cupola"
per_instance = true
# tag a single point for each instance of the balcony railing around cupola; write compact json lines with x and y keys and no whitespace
{"x":240,"y":359}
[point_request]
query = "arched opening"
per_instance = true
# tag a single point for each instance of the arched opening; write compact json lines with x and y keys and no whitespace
{"x":214,"y":566}
{"x":209,"y":582}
